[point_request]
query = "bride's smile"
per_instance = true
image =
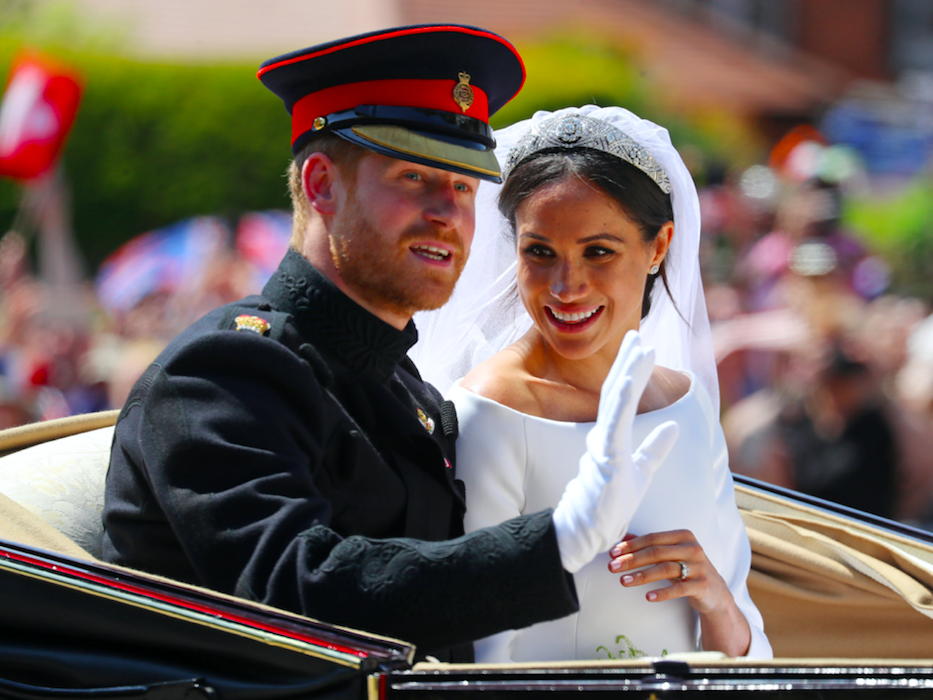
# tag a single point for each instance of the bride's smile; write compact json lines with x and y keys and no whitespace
{"x":573,"y":321}
{"x":582,"y":267}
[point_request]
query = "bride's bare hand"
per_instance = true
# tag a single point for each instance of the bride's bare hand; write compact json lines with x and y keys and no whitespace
{"x":658,"y":557}
{"x":667,"y":556}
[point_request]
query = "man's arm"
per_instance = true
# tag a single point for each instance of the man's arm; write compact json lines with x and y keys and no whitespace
{"x":230,"y":446}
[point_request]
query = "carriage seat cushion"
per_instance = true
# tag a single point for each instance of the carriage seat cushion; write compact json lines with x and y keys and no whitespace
{"x":62,"y":482}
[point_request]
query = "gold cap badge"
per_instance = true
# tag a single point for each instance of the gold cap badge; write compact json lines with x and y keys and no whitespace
{"x":252,"y":323}
{"x":463,"y":93}
{"x":426,"y":421}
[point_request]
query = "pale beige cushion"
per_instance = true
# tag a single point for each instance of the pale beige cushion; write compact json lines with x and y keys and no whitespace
{"x":62,"y":481}
{"x":22,"y":526}
{"x":829,"y":586}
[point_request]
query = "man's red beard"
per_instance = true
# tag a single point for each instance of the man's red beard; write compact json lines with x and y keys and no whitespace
{"x":384,"y":272}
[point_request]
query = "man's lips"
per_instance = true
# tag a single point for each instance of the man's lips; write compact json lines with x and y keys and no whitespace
{"x":431,"y":252}
{"x":573,"y":321}
{"x":436,"y":253}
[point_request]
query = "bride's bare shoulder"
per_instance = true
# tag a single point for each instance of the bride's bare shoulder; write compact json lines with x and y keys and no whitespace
{"x":667,"y":386}
{"x":503,"y":378}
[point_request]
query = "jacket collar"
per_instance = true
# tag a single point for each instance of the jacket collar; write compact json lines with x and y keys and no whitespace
{"x":322,"y":312}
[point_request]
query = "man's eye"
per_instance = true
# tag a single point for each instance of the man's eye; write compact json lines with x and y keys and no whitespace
{"x":414,"y":176}
{"x":461,"y":187}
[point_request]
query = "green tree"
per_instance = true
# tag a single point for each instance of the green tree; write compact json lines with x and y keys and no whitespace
{"x":900,"y":229}
{"x":157,"y":142}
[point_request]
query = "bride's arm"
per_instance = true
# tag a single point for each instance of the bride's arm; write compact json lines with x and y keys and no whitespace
{"x":729,"y":620}
{"x":491,"y":461}
{"x":660,"y":556}
{"x":736,"y":548}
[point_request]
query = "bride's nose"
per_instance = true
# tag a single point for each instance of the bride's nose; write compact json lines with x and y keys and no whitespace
{"x":568,"y":282}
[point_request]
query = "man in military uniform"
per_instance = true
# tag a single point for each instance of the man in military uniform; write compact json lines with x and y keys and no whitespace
{"x":283,"y":448}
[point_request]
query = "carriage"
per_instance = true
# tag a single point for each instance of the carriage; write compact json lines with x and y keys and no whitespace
{"x":847,"y":600}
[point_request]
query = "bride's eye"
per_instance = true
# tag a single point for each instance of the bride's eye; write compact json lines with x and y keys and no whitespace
{"x":599,"y":253}
{"x":536,"y":250}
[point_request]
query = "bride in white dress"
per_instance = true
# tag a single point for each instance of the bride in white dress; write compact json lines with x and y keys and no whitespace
{"x":601,"y":223}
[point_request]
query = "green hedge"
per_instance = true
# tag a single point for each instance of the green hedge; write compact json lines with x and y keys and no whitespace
{"x":573,"y":69}
{"x":900,"y":229}
{"x":154,"y":143}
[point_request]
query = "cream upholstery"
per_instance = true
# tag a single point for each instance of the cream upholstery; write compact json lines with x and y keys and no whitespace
{"x":827,"y":586}
{"x":62,"y":481}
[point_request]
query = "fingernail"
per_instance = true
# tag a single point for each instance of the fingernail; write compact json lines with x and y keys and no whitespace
{"x":615,"y":565}
{"x":616,"y":551}
{"x":627,"y":579}
{"x":652,"y":596}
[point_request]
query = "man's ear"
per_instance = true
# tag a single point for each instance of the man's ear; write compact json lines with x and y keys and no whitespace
{"x":321,"y":182}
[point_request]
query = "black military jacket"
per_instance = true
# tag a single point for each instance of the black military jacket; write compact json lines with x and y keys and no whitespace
{"x":284,"y":449}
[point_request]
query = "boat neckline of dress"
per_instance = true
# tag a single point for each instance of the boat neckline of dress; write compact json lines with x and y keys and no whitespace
{"x":687,"y":394}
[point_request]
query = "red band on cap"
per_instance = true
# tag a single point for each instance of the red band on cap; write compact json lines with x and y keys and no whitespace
{"x":426,"y":94}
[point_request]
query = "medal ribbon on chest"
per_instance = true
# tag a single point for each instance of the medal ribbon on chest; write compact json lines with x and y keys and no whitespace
{"x":426,"y":421}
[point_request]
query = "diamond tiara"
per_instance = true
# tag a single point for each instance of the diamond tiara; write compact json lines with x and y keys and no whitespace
{"x":579,"y":131}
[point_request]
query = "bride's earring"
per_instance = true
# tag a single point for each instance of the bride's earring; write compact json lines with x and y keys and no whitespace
{"x":654,"y":270}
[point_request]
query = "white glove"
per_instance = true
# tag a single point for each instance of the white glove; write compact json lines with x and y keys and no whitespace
{"x":599,"y":502}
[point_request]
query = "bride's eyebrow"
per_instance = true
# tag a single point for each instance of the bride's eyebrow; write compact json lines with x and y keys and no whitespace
{"x":588,"y":239}
{"x":600,"y":237}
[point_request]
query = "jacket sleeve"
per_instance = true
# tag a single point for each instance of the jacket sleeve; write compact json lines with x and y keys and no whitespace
{"x":230,"y":444}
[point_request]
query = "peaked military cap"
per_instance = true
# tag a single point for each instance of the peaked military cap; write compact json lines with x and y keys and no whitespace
{"x":422,"y":93}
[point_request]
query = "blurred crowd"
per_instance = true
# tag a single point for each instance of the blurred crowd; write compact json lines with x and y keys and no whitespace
{"x":826,"y":376}
{"x":78,"y":349}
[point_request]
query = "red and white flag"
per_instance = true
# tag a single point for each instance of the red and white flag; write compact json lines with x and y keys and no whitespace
{"x":38,"y":109}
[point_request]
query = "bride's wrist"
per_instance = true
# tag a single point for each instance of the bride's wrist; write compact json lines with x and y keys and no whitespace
{"x":726,"y":630}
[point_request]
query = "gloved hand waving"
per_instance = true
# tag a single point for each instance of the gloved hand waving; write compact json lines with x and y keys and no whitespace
{"x":599,"y":502}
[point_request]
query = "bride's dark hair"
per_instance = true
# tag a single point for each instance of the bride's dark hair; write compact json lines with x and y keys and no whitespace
{"x":640,"y":198}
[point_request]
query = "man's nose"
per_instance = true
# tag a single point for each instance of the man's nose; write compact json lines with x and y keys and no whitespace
{"x":445,"y":206}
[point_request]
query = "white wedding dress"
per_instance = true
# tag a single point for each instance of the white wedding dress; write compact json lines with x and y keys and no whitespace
{"x":513,"y":463}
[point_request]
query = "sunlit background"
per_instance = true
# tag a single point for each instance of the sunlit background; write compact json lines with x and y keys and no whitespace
{"x":807,"y":124}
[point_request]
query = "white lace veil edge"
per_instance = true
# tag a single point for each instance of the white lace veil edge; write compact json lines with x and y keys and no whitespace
{"x":485,"y":315}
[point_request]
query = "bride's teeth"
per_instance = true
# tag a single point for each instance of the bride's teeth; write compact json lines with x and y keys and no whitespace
{"x":574,"y":317}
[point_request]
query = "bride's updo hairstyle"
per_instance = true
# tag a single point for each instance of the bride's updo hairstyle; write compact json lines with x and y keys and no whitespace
{"x":638,"y":195}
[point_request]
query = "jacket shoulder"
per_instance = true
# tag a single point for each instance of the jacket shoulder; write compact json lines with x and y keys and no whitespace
{"x":252,"y":315}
